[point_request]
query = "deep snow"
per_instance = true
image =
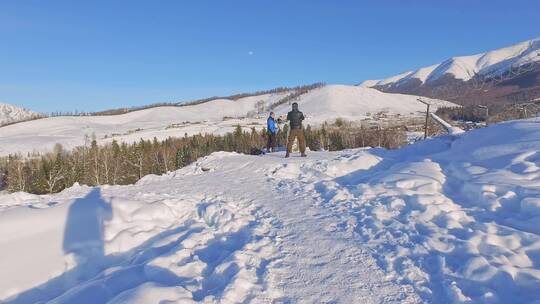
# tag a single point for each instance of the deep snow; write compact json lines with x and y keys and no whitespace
{"x":454,"y":219}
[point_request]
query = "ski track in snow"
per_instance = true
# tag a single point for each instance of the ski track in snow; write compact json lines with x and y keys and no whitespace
{"x":450,"y":220}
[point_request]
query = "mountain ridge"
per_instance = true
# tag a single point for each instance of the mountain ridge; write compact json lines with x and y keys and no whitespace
{"x":466,"y":67}
{"x":502,"y":76}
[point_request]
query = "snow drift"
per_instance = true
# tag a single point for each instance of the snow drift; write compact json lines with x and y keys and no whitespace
{"x":457,"y":217}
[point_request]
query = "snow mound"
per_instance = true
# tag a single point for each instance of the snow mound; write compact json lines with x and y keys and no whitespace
{"x":459,"y":222}
{"x":152,"y":247}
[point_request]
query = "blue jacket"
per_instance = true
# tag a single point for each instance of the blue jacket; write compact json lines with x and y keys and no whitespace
{"x":271,"y":125}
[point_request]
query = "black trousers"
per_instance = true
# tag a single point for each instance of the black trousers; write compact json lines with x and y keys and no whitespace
{"x":272,"y":141}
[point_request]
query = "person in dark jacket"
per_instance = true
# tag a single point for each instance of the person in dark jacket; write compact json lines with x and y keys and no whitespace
{"x":295,"y":118}
{"x":272,"y":132}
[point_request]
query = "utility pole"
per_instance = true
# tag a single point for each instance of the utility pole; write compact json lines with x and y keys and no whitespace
{"x":427,"y":117}
{"x":487,"y":112}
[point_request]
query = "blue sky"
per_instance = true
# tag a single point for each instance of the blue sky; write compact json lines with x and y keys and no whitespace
{"x":94,"y":55}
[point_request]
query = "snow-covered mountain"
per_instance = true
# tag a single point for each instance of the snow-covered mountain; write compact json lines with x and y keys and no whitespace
{"x":466,"y":67}
{"x":446,"y":220}
{"x":455,"y":73}
{"x":216,"y":116}
{"x":10,"y":113}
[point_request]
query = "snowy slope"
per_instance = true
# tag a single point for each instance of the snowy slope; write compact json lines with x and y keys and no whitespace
{"x":353,"y":103}
{"x":10,"y":113}
{"x":161,"y":122}
{"x":327,"y":103}
{"x":453,"y":219}
{"x":465,"y":67}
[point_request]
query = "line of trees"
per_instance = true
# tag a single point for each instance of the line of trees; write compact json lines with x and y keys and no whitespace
{"x":302,"y":88}
{"x":497,"y":112}
{"x":295,"y":95}
{"x":121,"y":163}
{"x":33,"y":117}
{"x":465,"y":113}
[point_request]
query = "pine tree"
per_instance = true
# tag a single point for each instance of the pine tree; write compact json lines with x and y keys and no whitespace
{"x":183,"y":157}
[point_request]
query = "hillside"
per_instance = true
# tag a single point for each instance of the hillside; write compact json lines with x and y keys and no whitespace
{"x":446,"y":220}
{"x":216,"y":116}
{"x":508,"y":72}
{"x":10,"y":113}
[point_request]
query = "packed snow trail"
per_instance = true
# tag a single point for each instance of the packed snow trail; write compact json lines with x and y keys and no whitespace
{"x":233,"y":234}
{"x":345,"y":272}
{"x":452,"y":219}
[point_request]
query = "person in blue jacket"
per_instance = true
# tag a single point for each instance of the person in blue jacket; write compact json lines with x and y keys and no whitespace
{"x":272,"y":128}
